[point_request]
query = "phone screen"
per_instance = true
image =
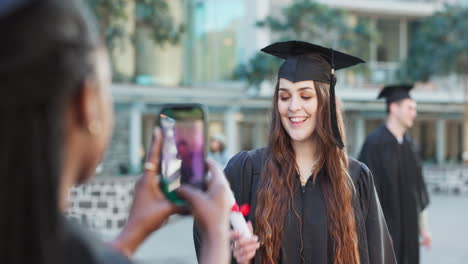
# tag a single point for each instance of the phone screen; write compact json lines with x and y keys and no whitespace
{"x":183,"y":151}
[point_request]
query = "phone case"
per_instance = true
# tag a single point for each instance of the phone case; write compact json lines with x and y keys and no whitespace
{"x":167,"y":165}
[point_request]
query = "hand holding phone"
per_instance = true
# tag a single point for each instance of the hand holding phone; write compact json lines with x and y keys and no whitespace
{"x":149,"y":209}
{"x":183,"y":152}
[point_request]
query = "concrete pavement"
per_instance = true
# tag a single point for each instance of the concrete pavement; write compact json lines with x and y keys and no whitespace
{"x":448,"y":222}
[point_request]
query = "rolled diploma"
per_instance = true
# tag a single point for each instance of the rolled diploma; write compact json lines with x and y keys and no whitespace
{"x":237,"y":219}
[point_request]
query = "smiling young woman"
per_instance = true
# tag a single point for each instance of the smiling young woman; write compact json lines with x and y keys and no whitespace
{"x":311,"y":203}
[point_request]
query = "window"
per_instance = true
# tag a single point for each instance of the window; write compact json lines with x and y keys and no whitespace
{"x":217,"y":26}
{"x":388,"y":49}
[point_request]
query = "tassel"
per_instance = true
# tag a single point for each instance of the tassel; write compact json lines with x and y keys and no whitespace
{"x":334,"y":122}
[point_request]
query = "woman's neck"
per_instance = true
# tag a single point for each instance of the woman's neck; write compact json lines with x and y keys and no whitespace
{"x":305,"y":156}
{"x":67,"y":180}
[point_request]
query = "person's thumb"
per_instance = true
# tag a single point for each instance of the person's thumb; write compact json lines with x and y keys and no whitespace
{"x":192,"y":196}
{"x":250,"y":226}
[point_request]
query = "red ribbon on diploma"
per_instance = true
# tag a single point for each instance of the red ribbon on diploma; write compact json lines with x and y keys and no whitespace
{"x":243,"y":209}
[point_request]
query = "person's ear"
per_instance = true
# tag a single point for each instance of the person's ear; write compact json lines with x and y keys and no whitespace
{"x":394,"y":107}
{"x":86,"y":108}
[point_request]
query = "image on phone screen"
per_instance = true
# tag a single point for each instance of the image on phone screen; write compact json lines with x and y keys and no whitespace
{"x":183,"y":147}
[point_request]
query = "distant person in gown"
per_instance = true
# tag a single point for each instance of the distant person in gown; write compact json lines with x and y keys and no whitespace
{"x":390,"y":155}
{"x":218,"y":150}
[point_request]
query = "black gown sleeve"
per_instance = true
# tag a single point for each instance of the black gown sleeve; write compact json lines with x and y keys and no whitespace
{"x":370,"y":156}
{"x":379,"y":243}
{"x":239,"y":175}
{"x":421,"y":187}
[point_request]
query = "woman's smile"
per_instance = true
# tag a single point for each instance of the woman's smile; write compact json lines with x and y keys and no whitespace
{"x":297,"y":121}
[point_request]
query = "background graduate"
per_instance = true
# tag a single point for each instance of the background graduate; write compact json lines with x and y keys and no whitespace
{"x":388,"y":152}
{"x":310,"y":202}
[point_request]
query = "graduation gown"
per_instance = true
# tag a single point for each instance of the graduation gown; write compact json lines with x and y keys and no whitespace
{"x":401,"y":188}
{"x":243,"y":172}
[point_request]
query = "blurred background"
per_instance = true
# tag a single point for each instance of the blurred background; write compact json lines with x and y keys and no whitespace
{"x":207,"y":51}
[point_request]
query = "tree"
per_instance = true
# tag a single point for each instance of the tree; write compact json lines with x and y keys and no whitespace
{"x":156,"y":15}
{"x":260,"y":67}
{"x":111,"y":16}
{"x":308,"y":20}
{"x":151,"y":18}
{"x":438,"y":45}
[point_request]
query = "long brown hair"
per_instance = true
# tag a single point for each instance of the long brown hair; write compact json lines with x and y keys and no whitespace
{"x":277,"y":185}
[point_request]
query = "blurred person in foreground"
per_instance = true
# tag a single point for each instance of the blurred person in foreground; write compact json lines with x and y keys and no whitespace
{"x":55,"y":122}
{"x":311,"y":203}
{"x":389,"y":153}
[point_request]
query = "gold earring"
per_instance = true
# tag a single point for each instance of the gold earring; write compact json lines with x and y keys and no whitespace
{"x":94,"y":127}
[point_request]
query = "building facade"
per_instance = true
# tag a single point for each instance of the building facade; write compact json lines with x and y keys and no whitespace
{"x":221,"y":34}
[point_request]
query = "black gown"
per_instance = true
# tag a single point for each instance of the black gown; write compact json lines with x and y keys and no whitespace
{"x":401,"y":188}
{"x":243,"y":172}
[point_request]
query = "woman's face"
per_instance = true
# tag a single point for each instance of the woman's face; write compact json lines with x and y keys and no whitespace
{"x":297,"y":106}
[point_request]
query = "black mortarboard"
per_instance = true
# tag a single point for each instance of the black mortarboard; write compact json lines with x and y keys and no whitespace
{"x":309,"y":62}
{"x":397,"y":92}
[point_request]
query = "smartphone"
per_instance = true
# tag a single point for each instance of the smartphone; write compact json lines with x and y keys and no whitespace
{"x":183,"y":128}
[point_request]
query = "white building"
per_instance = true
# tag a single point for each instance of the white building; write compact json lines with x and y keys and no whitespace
{"x":221,"y":34}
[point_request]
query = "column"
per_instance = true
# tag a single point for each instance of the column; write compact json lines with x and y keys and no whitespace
{"x":416,"y":134}
{"x":453,"y":142}
{"x":373,"y":44}
{"x":189,"y":40}
{"x":440,"y":141}
{"x":135,"y":137}
{"x":359,"y":134}
{"x":259,"y":134}
{"x":262,"y":35}
{"x":403,"y":39}
{"x":465,"y":120}
{"x":232,"y":131}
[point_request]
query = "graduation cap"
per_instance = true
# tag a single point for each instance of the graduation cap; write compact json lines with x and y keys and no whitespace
{"x":309,"y":62}
{"x":396,"y":92}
